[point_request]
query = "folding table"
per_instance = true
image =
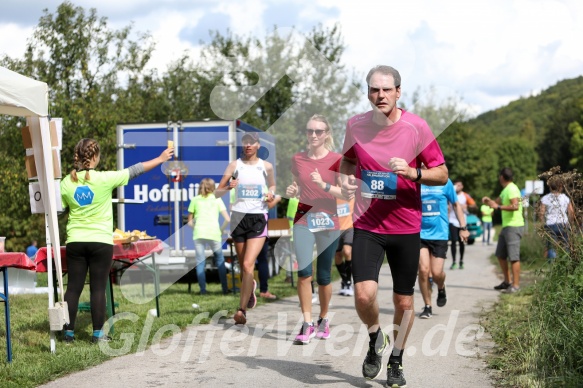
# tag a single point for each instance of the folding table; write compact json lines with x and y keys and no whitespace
{"x":126,"y":254}
{"x":14,"y":260}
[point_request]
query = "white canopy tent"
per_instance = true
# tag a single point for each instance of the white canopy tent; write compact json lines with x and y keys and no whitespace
{"x":23,"y":96}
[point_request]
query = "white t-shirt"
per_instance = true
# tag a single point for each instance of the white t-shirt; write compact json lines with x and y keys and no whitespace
{"x":462,"y":200}
{"x":556,"y":208}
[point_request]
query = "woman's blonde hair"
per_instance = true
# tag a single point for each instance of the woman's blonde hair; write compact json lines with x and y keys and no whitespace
{"x":207,"y":186}
{"x":329,"y":141}
{"x":85,"y":151}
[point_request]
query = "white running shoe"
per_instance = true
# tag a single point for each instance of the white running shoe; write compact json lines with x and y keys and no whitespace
{"x":349,"y":291}
{"x":342,"y":289}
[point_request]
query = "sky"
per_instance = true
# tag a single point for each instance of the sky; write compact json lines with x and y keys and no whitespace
{"x":485,"y":53}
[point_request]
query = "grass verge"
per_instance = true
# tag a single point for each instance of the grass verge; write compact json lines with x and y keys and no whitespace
{"x":539,"y":330}
{"x":34,"y":364}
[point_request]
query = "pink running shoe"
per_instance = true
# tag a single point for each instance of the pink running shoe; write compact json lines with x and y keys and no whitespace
{"x":307,"y":332}
{"x":323,"y":328}
{"x":253,"y":298}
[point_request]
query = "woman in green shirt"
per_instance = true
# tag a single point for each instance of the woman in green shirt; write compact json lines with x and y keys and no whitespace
{"x":87,"y":195}
{"x":486,"y":223}
{"x":203,"y":217}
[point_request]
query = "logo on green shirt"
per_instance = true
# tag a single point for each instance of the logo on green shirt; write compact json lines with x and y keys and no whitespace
{"x":83,"y":195}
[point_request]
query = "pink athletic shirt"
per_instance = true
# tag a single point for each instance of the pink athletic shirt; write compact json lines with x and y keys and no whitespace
{"x":312,"y":197}
{"x":386,"y":203}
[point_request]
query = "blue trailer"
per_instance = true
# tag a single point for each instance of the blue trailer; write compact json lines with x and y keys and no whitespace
{"x":157,"y":202}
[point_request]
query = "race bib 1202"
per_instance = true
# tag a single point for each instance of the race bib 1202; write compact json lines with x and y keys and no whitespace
{"x":248,"y":192}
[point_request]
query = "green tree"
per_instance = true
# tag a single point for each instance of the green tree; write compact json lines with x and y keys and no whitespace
{"x":86,"y":65}
{"x":520,"y":156}
{"x":470,"y":157}
{"x":277,"y":83}
{"x":576,"y":147}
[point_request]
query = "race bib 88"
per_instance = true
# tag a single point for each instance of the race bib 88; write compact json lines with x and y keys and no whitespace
{"x":378,"y":184}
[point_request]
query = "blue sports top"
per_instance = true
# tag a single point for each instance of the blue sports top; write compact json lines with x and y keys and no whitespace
{"x":434,"y":200}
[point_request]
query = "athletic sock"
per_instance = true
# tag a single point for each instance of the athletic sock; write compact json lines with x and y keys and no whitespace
{"x":348,"y":265}
{"x":98,"y":333}
{"x":373,"y":336}
{"x":393,"y":359}
{"x":69,"y":333}
{"x":342,"y":271}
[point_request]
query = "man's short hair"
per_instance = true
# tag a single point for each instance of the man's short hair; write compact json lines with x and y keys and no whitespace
{"x":507,"y":174}
{"x":386,"y":70}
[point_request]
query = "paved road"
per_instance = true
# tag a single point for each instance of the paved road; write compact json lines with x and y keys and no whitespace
{"x":446,"y":350}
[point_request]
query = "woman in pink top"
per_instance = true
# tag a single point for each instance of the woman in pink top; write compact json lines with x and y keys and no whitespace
{"x":315,"y":174}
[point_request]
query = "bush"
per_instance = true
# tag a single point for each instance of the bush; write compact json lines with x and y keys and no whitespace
{"x":540,"y":330}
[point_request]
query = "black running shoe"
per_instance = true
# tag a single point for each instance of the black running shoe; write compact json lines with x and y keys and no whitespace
{"x":502,"y":286}
{"x":373,"y":363}
{"x":427,"y":313}
{"x":441,"y":297}
{"x":395,"y":376}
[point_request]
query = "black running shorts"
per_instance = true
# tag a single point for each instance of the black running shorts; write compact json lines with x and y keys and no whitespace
{"x":402,"y":252}
{"x":246,"y":226}
{"x":437,"y":248}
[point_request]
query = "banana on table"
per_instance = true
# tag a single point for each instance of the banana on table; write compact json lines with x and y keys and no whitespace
{"x":121,"y":237}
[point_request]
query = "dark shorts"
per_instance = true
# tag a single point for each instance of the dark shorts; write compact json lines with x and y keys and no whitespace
{"x":509,"y":243}
{"x":246,"y":226}
{"x":454,"y":234}
{"x":402,"y":251}
{"x":346,"y":238}
{"x":437,"y":248}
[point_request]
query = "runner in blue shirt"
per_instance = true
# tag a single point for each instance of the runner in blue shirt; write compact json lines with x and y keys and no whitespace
{"x":434,"y":238}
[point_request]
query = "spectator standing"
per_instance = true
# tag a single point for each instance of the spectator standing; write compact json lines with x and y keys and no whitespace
{"x":508,"y":247}
{"x":486,"y":212}
{"x":556,"y":211}
{"x":87,"y":194}
{"x":203,"y":217}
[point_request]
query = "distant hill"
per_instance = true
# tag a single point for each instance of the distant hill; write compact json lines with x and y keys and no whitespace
{"x":541,"y":120}
{"x":539,"y":109}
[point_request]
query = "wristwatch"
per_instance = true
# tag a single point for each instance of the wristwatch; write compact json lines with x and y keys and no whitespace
{"x":419,"y":175}
{"x":464,"y":228}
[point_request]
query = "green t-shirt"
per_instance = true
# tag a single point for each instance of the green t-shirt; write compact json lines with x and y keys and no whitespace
{"x":89,"y":203}
{"x":511,"y":218}
{"x":206,"y":212}
{"x":486,"y":213}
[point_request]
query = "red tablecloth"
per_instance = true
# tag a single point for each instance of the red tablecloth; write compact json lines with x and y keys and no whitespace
{"x":16,"y":260}
{"x":132,"y":251}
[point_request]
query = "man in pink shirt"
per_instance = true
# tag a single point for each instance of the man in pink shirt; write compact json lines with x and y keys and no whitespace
{"x":383,"y":152}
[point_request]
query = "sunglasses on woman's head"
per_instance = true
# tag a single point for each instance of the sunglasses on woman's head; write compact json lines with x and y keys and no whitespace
{"x":318,"y":132}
